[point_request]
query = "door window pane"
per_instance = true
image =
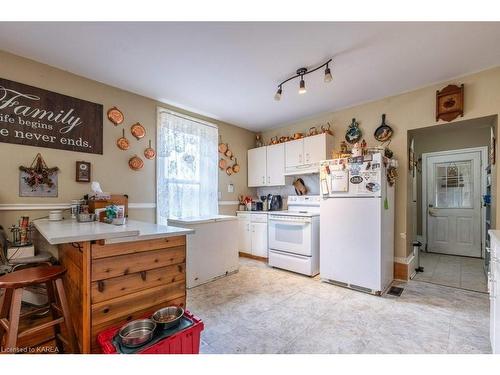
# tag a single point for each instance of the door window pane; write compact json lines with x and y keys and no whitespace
{"x":453,"y":184}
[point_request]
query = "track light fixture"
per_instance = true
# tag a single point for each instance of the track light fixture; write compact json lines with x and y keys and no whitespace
{"x":301,"y":72}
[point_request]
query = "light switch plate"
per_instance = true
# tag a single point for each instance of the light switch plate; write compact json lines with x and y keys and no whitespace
{"x":230,"y":188}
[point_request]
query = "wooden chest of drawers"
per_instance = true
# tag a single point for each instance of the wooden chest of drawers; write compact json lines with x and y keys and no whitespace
{"x":110,"y":284}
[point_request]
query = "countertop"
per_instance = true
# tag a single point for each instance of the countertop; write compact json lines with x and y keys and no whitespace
{"x":495,"y":233}
{"x":260,"y":212}
{"x":200,"y":219}
{"x":66,"y":231}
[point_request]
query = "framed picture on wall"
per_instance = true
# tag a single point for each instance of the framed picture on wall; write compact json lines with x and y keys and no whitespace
{"x":83,"y":171}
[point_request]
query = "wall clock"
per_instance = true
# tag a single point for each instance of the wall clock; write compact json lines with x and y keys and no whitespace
{"x":450,"y":103}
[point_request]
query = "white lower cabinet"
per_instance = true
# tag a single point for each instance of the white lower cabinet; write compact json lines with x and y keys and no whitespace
{"x":252,"y":234}
{"x":244,"y":234}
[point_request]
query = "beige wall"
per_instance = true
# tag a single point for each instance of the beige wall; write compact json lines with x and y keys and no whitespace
{"x":459,"y":135}
{"x":412,"y":110}
{"x":111,"y":168}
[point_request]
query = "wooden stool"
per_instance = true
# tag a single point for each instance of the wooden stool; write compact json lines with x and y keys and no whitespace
{"x":10,"y":306}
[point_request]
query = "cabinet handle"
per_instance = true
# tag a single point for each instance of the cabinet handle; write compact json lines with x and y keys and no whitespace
{"x":307,"y":157}
{"x":268,"y":179}
{"x":263,"y":179}
{"x":143,"y":275}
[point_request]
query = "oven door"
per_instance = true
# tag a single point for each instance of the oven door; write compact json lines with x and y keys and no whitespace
{"x":291,"y":234}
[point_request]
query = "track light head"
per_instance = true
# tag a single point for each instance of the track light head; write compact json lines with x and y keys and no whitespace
{"x":277,"y":96}
{"x":328,"y":75}
{"x":302,"y":89}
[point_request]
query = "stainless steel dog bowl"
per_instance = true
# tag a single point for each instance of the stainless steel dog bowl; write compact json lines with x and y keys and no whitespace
{"x":168,"y":317}
{"x":137,"y":332}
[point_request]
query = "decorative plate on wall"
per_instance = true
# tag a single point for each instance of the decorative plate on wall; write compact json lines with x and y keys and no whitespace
{"x":353,"y":133}
{"x":115,"y":116}
{"x":384,"y":132}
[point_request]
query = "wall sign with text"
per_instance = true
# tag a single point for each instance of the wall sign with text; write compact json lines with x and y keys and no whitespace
{"x":36,"y":117}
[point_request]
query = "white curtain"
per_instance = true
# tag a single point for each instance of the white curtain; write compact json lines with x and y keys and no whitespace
{"x":187,"y":177}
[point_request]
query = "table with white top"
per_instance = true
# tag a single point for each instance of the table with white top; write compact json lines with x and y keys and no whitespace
{"x":117,"y":273}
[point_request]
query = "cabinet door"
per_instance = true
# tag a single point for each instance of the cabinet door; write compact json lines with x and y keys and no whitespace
{"x":495,"y":266}
{"x":294,"y":153}
{"x":257,"y":166}
{"x":314,"y":149}
{"x":276,"y":165}
{"x":244,"y":235}
{"x":259,"y":239}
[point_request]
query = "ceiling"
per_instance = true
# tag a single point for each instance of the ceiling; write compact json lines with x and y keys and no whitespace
{"x":229,"y":71}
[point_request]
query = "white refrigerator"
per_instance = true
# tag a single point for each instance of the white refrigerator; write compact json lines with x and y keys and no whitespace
{"x":357,"y":223}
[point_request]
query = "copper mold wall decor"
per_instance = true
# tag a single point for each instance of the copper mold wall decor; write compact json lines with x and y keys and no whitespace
{"x":450,"y":103}
{"x":149,"y":153}
{"x":122,"y":142}
{"x":115,"y":116}
{"x":135,"y":163}
{"x":138,"y":131}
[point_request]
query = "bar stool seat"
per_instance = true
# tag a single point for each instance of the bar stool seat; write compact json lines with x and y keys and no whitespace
{"x":10,"y":306}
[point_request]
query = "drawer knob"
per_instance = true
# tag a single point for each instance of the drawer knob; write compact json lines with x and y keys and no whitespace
{"x":100,"y":286}
{"x":143,"y":275}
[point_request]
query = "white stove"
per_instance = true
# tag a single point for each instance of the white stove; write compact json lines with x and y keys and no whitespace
{"x":294,"y":235}
{"x":304,"y":205}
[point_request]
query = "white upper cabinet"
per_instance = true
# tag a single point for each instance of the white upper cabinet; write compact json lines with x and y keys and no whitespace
{"x":304,"y":155}
{"x":275,"y":165}
{"x":266,"y":166}
{"x":315,"y":149}
{"x":294,"y":151}
{"x":257,"y":167}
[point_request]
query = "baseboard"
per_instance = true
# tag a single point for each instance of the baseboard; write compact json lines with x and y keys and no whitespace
{"x":404,"y":268}
{"x":250,"y":256}
{"x":400,"y":271}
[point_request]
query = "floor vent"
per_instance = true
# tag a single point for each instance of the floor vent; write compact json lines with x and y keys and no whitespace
{"x":395,"y":291}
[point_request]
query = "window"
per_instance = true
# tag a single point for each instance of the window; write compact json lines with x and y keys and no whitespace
{"x":186,"y":167}
{"x":453,"y":184}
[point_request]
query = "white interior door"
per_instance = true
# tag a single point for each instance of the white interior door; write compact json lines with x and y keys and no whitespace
{"x":454,"y":204}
